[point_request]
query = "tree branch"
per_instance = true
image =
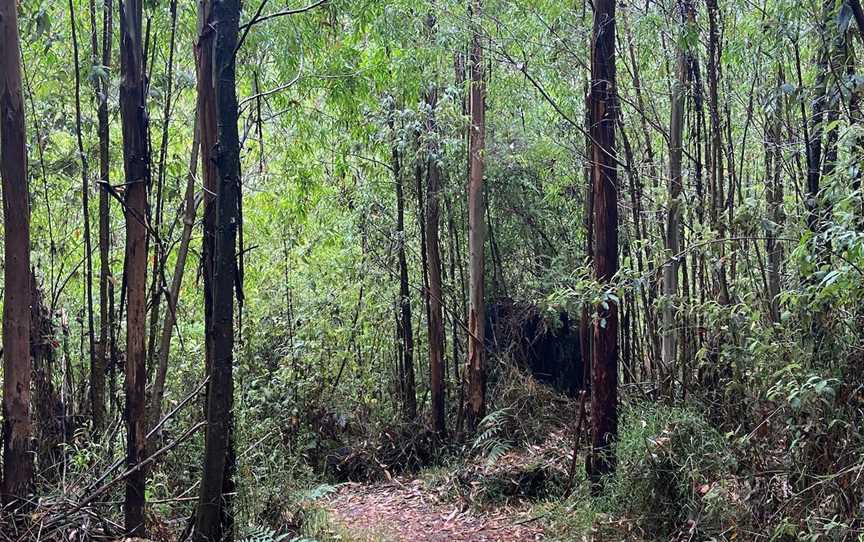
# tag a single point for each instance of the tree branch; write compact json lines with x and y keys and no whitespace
{"x":259,"y":19}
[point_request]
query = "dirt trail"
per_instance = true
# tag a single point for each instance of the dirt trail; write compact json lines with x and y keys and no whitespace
{"x":397,"y":511}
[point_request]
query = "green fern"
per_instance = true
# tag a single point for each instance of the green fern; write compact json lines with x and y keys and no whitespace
{"x":490,"y":442}
{"x":320,"y":491}
{"x":264,"y":534}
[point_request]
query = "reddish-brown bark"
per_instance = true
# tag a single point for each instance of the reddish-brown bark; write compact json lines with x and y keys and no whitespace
{"x":433,"y":256}
{"x":17,"y":428}
{"x":604,"y":180}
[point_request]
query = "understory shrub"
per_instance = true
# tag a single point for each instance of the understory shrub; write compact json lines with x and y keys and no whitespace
{"x":674,"y":473}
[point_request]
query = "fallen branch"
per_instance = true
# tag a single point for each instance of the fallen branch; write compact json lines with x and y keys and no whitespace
{"x":108,"y":485}
{"x":152,"y":432}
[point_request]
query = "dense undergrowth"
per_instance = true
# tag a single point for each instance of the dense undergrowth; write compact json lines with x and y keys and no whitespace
{"x":763,"y":446}
{"x":764,"y":450}
{"x":755,"y":432}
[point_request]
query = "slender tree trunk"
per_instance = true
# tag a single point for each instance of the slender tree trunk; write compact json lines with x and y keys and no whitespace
{"x":207,"y":128}
{"x":460,"y":61}
{"x":404,"y":330}
{"x":604,"y":372}
{"x":136,"y":162}
{"x":774,"y":194}
{"x":433,"y":254}
{"x":716,"y":176}
{"x":159,"y":255}
{"x":191,"y":207}
{"x":585,"y":335}
{"x":698,"y":259}
{"x":97,"y":378}
{"x":673,"y":221}
{"x":421,"y":224}
{"x":100,"y":87}
{"x":210,"y":522}
{"x":476,"y":230}
{"x":17,"y":428}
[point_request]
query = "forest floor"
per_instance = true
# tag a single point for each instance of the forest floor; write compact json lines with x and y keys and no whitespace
{"x":404,"y":510}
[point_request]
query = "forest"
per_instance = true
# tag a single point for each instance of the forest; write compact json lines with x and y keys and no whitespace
{"x":432,"y":270}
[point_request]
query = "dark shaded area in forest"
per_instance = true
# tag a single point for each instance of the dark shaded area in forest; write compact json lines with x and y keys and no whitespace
{"x":547,"y":346}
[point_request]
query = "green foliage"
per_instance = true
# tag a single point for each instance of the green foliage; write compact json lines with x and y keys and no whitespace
{"x":317,"y":364}
{"x":263,"y":534}
{"x":575,"y":518}
{"x":489,"y":441}
{"x":675,"y":473}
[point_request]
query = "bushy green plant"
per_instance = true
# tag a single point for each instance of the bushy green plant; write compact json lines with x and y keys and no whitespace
{"x":673,"y":472}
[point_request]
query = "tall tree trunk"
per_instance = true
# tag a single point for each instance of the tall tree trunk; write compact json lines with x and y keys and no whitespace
{"x":159,"y":254}
{"x":191,"y":207}
{"x":100,"y":87}
{"x":95,"y":381}
{"x":604,"y":371}
{"x":433,"y":253}
{"x":17,"y":458}
{"x":404,"y":331}
{"x":698,"y":123}
{"x":774,"y":194}
{"x":716,"y":176}
{"x":207,"y":132}
{"x":585,"y":335}
{"x":673,"y":221}
{"x":476,"y":230}
{"x":136,"y":162}
{"x":421,"y":225}
{"x":210,"y":522}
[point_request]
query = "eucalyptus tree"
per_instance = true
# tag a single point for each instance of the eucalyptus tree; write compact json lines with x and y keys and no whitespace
{"x":17,"y":428}
{"x":404,"y":329}
{"x":101,"y":56}
{"x":136,"y":162}
{"x":476,"y":227}
{"x":603,"y":111}
{"x":674,"y":203}
{"x":435,"y":322}
{"x":212,"y":521}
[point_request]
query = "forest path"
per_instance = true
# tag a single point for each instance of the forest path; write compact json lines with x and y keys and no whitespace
{"x":399,"y":511}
